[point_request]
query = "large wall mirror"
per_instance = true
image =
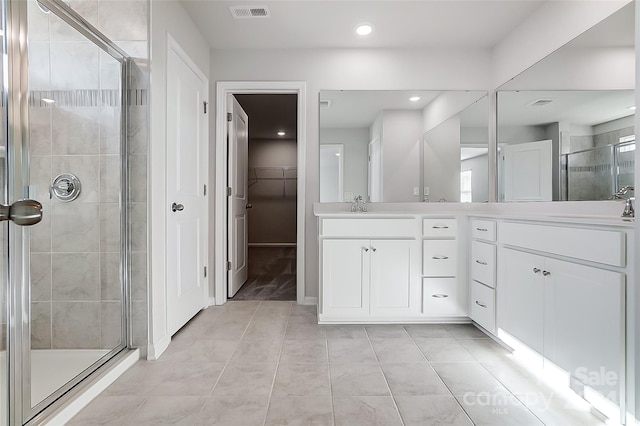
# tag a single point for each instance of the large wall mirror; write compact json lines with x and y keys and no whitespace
{"x":576,"y":141}
{"x":403,"y":146}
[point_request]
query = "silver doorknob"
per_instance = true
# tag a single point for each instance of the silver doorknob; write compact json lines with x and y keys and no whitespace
{"x":22,"y":212}
{"x":249,"y":206}
{"x":175,"y":207}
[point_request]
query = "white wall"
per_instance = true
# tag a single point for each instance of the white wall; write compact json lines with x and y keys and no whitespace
{"x":168,"y":18}
{"x":356,"y":150}
{"x":446,"y":105}
{"x":551,"y":26}
{"x":348,"y":69}
{"x":442,"y":160}
{"x":401,"y":137}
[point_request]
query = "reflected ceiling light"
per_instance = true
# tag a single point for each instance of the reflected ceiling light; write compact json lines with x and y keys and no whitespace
{"x":337,"y":154}
{"x":363,"y":29}
{"x":632,"y":107}
{"x":281,"y":133}
{"x":48,"y":100}
{"x":414,"y":98}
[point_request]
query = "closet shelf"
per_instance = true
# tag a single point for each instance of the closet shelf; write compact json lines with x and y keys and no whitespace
{"x":272,"y":173}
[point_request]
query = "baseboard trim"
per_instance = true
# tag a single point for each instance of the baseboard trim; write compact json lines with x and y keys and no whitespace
{"x":212,"y":302}
{"x":93,"y":388}
{"x":156,"y":349}
{"x":310,"y":301}
{"x":272,"y":245}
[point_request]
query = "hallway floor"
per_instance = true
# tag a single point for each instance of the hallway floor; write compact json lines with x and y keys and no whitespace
{"x":271,"y":274}
{"x":269,"y":363}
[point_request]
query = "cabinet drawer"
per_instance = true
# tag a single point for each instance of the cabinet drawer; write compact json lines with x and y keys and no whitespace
{"x":483,"y":263}
{"x":483,"y":229}
{"x":483,"y":306}
{"x":439,"y":297}
{"x":594,"y":245}
{"x":439,"y":227}
{"x":368,"y":228}
{"x":439,"y":258}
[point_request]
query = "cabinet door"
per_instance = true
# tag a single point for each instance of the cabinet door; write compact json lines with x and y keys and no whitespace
{"x":522,"y":297}
{"x":395,"y":286}
{"x":584,"y":323}
{"x":345,"y":278}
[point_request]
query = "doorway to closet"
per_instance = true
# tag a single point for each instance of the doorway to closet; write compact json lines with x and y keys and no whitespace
{"x":271,"y":197}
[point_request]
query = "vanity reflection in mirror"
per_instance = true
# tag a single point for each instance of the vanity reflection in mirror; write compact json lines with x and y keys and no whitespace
{"x":565,"y":145}
{"x":403,"y":146}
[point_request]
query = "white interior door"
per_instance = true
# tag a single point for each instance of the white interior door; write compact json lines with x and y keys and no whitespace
{"x":528,"y":171}
{"x":186,"y":176}
{"x":375,"y":171}
{"x":237,"y":227}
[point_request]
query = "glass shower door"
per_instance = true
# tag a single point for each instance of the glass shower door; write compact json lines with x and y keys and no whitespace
{"x":63,"y":278}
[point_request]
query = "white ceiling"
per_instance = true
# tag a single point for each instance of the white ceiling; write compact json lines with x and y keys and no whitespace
{"x":330,"y":24}
{"x":359,"y":108}
{"x":586,"y":108}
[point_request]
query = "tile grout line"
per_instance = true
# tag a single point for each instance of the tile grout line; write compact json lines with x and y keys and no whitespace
{"x":275,"y":374}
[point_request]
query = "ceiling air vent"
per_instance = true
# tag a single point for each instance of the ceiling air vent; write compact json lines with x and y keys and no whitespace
{"x":541,"y":102}
{"x":249,"y":12}
{"x":325,"y":103}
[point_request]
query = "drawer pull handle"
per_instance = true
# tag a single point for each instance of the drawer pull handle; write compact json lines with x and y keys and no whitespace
{"x":481,"y":305}
{"x":440,"y":227}
{"x":480,"y":262}
{"x":482,"y":229}
{"x":439,"y":296}
{"x":536,"y":270}
{"x":440,"y":257}
{"x":546,"y":273}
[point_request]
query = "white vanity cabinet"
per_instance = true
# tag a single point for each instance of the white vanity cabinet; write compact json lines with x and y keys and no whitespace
{"x":568,"y":308}
{"x":482,"y":269}
{"x":370,"y":269}
{"x":441,"y":295}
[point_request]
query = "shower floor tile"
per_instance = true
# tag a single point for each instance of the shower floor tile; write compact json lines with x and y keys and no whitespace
{"x":52,"y":368}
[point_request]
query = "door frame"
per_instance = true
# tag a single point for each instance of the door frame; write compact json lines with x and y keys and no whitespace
{"x":223,"y":90}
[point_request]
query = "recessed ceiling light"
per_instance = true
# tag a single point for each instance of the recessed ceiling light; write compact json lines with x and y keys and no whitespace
{"x":337,"y":154}
{"x":281,"y":133}
{"x":48,"y":101}
{"x":414,"y":98}
{"x":363,"y":29}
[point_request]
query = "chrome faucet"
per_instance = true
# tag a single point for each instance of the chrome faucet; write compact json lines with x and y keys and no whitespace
{"x":628,"y":205}
{"x":358,"y":205}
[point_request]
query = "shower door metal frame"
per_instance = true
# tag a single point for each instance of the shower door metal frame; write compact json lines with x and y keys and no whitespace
{"x":16,"y":98}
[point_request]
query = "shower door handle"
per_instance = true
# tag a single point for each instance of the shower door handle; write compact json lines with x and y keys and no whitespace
{"x":175,"y":207}
{"x":22,"y":212}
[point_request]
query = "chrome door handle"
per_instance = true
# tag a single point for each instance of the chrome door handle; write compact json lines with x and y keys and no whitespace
{"x":177,"y":207}
{"x":22,"y":212}
{"x":249,"y":206}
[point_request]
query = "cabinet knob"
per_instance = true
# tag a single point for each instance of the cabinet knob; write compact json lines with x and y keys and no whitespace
{"x":546,"y":273}
{"x":536,"y":270}
{"x":480,"y":262}
{"x":481,"y":304}
{"x":373,"y":249}
{"x":365,"y":249}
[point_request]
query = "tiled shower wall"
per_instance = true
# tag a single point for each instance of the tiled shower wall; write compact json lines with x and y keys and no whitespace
{"x":76,"y":300}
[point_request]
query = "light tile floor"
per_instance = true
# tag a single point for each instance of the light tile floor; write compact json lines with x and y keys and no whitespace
{"x":269,"y":363}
